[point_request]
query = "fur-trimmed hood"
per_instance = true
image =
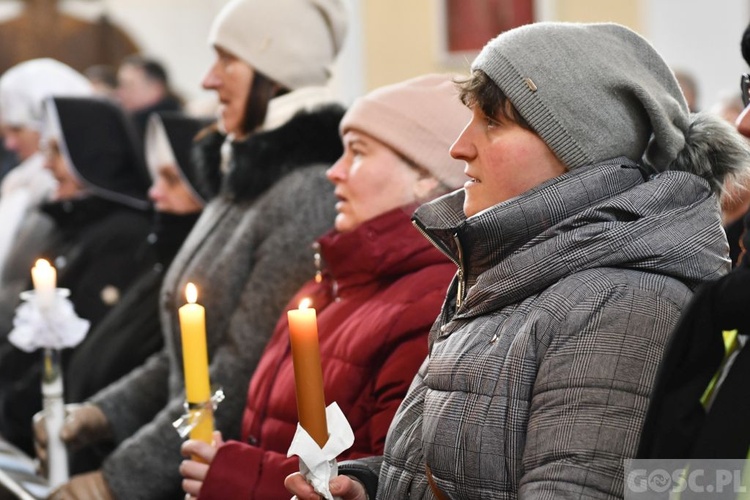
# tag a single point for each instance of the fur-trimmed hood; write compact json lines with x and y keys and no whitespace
{"x":309,"y":137}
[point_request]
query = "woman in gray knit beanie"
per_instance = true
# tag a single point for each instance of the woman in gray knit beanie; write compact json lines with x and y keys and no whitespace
{"x":590,"y":218}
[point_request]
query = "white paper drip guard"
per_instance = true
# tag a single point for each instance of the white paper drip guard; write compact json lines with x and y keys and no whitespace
{"x":317,"y":464}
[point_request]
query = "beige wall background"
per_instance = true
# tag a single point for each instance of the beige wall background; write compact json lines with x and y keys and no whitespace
{"x":402,"y":37}
{"x":391,"y":40}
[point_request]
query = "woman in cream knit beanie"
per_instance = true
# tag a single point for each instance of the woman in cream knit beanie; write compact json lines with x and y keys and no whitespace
{"x":250,"y":249}
{"x":286,"y":45}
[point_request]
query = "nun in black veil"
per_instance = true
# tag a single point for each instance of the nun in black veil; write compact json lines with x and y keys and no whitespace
{"x":100,"y":215}
{"x":131,"y":331}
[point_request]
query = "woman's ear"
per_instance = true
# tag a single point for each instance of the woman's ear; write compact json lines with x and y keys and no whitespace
{"x":425,"y":188}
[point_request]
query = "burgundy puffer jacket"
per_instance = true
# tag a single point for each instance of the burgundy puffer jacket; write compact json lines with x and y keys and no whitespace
{"x":383,"y":289}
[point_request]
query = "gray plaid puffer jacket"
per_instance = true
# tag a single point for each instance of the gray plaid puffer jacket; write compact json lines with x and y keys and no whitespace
{"x":539,"y":373}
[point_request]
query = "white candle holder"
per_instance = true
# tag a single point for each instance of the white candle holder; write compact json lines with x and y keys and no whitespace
{"x":48,"y":321}
{"x":317,"y":464}
{"x":54,"y":416}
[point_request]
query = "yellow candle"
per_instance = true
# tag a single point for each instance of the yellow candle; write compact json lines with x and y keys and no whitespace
{"x":195,"y":360}
{"x":308,"y":373}
{"x":44,"y":277}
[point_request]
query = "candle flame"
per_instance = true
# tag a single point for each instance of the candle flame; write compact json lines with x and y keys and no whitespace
{"x":42,"y":263}
{"x":191,"y":293}
{"x":305,"y":303}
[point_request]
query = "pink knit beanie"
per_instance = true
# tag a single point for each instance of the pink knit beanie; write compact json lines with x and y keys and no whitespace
{"x":419,"y":118}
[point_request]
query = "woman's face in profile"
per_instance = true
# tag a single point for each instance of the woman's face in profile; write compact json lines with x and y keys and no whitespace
{"x":23,"y":141}
{"x":68,"y":185}
{"x":171,"y":194}
{"x":231,"y":78}
{"x":371,"y":179}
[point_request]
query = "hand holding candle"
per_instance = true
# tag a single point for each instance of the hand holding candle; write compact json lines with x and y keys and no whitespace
{"x":44,"y":277}
{"x":308,"y":373}
{"x":195,"y":362}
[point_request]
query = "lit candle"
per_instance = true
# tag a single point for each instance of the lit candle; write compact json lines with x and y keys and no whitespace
{"x":44,"y":277}
{"x":195,"y":361}
{"x":308,"y":373}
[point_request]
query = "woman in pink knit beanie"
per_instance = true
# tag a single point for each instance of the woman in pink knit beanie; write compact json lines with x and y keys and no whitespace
{"x":379,"y":287}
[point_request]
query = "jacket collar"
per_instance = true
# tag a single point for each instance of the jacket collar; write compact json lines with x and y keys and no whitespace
{"x":281,"y":109}
{"x":308,"y":138}
{"x":604,"y":215}
{"x":386,"y":246}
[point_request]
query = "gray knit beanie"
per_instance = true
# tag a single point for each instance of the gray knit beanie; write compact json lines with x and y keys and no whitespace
{"x":419,"y":119}
{"x":293,"y":42}
{"x":598,"y":91}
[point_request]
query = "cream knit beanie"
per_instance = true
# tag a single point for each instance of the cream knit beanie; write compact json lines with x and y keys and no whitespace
{"x":419,"y":119}
{"x":293,"y":42}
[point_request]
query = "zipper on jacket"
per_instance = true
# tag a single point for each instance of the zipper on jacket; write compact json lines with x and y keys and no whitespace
{"x":447,"y":252}
{"x":461,"y":286}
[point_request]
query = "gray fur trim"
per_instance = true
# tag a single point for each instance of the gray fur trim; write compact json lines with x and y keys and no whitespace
{"x":713,"y":150}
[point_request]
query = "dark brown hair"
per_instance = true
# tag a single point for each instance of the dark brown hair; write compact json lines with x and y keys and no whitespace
{"x":262,"y":90}
{"x":480,"y":90}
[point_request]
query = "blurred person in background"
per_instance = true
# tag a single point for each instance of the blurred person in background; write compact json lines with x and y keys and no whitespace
{"x":690,"y":88}
{"x":103,"y":79}
{"x":23,"y":89}
{"x":131,"y":331}
{"x":99,"y":211}
{"x":735,"y":201}
{"x":143,"y":88}
{"x":8,"y":159}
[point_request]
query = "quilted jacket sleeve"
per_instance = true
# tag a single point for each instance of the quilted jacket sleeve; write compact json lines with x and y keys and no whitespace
{"x":592,"y":388}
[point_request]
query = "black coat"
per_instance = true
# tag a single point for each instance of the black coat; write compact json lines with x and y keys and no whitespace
{"x":94,"y":244}
{"x":128,"y":334}
{"x":95,"y":248}
{"x":677,"y":425}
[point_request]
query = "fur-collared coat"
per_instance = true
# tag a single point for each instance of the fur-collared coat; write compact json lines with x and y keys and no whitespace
{"x":248,"y":253}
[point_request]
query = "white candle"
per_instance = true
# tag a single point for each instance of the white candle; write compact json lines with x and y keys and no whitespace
{"x":44,"y":277}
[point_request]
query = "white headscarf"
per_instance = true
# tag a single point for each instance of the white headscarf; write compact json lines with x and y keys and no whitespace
{"x":24,"y":87}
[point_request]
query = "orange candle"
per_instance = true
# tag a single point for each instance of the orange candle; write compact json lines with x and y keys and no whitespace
{"x":195,"y":361}
{"x":44,"y":277}
{"x":308,"y":373}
